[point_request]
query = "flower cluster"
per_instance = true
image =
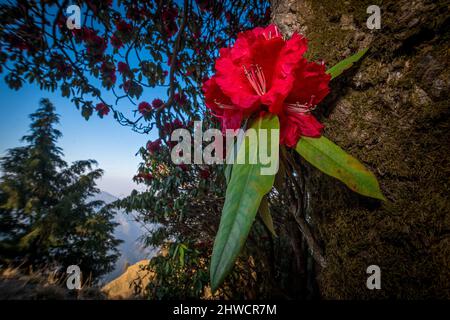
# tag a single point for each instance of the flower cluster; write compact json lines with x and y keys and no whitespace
{"x":102,"y":109}
{"x":95,"y":44}
{"x":123,"y":26}
{"x":108,"y":72}
{"x":154,"y":146}
{"x":180,"y":99}
{"x":143,"y":177}
{"x":168,"y":127}
{"x":169,"y":15}
{"x":116,"y":42}
{"x":123,"y":67}
{"x":265,"y":72}
{"x":145,"y":109}
{"x":157,"y":103}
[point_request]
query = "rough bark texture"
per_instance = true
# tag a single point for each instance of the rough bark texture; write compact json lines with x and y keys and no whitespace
{"x":392,"y":113}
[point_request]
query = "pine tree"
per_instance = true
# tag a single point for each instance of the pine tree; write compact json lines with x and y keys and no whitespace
{"x":46,"y":213}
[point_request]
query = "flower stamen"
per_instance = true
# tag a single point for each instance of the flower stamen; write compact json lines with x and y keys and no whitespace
{"x":255,"y":76}
{"x":268,"y":36}
{"x":301,"y":108}
{"x":224,"y":106}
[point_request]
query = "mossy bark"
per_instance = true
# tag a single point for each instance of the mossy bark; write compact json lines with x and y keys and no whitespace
{"x":391,"y":112}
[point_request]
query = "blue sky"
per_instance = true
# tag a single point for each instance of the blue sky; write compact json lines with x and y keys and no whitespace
{"x":104,"y":140}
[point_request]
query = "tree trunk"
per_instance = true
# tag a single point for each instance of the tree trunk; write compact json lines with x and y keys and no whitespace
{"x":392,"y":113}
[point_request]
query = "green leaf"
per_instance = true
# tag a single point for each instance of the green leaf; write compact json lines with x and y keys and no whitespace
{"x":245,"y":190}
{"x":266,"y":217}
{"x":86,"y":112}
{"x":232,"y":152}
{"x":337,"y":69}
{"x":181,"y":251}
{"x":332,"y":160}
{"x":228,"y":170}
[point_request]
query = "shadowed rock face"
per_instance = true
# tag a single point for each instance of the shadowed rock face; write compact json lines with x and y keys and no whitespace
{"x":391,"y":112}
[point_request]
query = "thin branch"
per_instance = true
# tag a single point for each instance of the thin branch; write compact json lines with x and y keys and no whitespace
{"x":174,"y":59}
{"x":314,"y":248}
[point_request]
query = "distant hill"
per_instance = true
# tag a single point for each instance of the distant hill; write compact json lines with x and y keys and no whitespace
{"x":124,"y":286}
{"x":130,"y":231}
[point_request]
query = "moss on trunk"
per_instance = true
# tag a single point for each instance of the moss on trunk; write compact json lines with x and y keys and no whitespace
{"x":392,"y":113}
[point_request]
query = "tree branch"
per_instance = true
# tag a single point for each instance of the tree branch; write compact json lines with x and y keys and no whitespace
{"x":174,"y":59}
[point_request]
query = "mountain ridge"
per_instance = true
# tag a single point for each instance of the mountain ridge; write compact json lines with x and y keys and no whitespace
{"x":130,"y":231}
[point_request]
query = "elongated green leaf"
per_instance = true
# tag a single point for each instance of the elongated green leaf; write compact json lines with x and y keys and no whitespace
{"x":340,"y":67}
{"x":266,"y":217}
{"x":245,"y":190}
{"x":232,"y":153}
{"x":227,"y":172}
{"x":182,"y":248}
{"x":332,"y":160}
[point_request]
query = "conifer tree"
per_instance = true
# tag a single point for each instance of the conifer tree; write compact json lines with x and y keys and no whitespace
{"x":47,"y":216}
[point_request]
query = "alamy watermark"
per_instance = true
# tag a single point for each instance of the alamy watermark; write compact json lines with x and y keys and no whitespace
{"x":260,"y":147}
{"x":374,"y":280}
{"x":74,"y":279}
{"x":374,"y":20}
{"x":74,"y":19}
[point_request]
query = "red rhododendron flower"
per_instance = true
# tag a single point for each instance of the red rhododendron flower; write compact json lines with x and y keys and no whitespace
{"x":144,"y":108}
{"x":122,"y":67}
{"x":154,"y":146}
{"x":157,"y":103}
{"x":108,"y":70}
{"x":116,"y":42}
{"x":168,"y":127}
{"x":95,"y":44}
{"x":180,"y":98}
{"x":123,"y":27}
{"x":177,"y":123}
{"x":144,"y":176}
{"x":65,"y":69}
{"x":127,"y":85}
{"x":102,"y":109}
{"x":262,"y":71}
{"x":168,"y":16}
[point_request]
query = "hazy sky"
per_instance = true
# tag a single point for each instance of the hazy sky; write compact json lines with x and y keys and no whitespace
{"x":112,"y":145}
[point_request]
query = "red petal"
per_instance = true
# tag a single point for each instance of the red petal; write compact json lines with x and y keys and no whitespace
{"x":288,"y":60}
{"x":231,"y":79}
{"x":293,"y":126}
{"x":271,"y":31}
{"x":310,"y":80}
{"x":229,"y":118}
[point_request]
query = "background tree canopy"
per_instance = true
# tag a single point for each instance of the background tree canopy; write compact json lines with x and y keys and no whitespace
{"x":47,"y":217}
